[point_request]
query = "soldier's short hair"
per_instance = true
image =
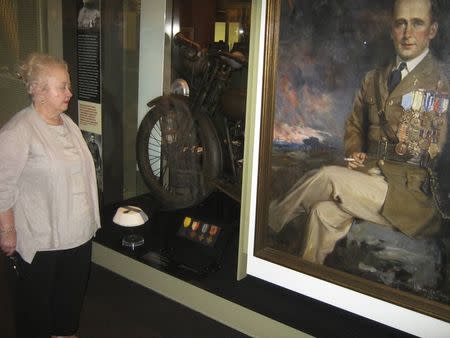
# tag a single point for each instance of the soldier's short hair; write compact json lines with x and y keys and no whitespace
{"x":434,"y":10}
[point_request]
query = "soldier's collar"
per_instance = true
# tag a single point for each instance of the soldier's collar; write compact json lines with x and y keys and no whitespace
{"x":411,"y":64}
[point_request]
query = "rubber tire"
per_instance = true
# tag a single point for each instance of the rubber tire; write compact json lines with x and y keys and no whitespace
{"x":212,"y":160}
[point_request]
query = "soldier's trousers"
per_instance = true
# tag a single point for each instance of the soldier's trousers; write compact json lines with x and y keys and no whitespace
{"x":332,"y":196}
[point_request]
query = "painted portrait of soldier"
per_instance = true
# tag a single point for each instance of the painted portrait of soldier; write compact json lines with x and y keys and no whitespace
{"x":360,"y":140}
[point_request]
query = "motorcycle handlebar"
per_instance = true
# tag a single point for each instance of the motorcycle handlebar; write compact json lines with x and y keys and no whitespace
{"x":180,"y":39}
{"x":235,"y":59}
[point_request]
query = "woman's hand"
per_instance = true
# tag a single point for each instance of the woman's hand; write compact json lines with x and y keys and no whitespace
{"x":8,"y":236}
{"x":356,"y":160}
{"x":8,"y":241}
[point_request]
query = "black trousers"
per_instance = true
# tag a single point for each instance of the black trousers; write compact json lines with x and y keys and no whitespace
{"x":49,"y":292}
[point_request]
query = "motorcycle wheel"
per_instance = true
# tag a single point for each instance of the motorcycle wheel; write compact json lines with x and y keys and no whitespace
{"x":178,"y":153}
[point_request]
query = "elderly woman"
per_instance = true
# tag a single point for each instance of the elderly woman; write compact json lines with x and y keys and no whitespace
{"x":48,"y":203}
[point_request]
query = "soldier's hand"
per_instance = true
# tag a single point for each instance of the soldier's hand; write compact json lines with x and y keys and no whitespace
{"x":356,"y":160}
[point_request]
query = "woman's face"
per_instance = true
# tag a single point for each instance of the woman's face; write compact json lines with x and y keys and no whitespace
{"x":57,"y":94}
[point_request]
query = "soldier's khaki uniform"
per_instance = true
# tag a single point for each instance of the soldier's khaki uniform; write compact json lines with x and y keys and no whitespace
{"x":386,"y":191}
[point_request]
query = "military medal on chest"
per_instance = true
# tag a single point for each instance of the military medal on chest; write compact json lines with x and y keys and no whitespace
{"x":419,"y":130}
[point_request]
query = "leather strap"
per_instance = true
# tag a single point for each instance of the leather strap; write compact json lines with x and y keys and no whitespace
{"x":388,"y":132}
{"x":386,"y":151}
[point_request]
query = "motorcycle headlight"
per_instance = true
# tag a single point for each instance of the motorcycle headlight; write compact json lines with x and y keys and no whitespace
{"x":180,"y":87}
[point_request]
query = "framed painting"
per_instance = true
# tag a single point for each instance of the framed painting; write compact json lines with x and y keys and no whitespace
{"x":351,"y":177}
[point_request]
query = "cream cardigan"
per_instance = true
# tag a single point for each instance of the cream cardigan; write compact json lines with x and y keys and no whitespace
{"x":35,"y":182}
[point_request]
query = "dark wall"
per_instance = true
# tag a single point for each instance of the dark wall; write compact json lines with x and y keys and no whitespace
{"x":198,"y":15}
{"x":69,"y":11}
{"x":112,"y":100}
{"x":112,"y":93}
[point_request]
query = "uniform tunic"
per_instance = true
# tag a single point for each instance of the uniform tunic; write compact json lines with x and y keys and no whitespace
{"x":407,"y":206}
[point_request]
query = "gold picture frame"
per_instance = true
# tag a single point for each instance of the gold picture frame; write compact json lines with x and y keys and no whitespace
{"x":293,"y":58}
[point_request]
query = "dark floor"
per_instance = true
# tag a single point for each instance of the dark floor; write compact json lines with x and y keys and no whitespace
{"x":118,"y":308}
{"x":285,"y":306}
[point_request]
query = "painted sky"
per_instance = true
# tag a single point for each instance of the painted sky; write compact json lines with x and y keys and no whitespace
{"x":324,"y":51}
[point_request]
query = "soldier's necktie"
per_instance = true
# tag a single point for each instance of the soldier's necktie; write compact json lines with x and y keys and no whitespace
{"x":395,"y":77}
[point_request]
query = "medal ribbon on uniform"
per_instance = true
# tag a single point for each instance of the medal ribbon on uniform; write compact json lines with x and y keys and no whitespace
{"x":417,"y":100}
{"x":437,"y":104}
{"x":407,"y":101}
{"x":429,"y":101}
{"x":424,"y":114}
{"x":443,"y":104}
